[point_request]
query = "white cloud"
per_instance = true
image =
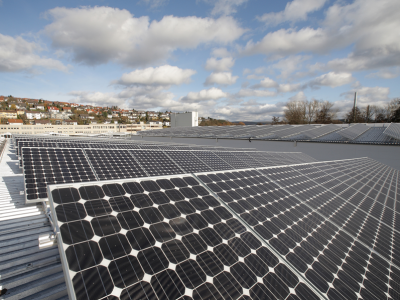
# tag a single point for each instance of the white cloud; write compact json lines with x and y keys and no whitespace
{"x":96,"y":35}
{"x":225,"y":7}
{"x":249,"y":111}
{"x":289,"y":64}
{"x":300,"y":96}
{"x":163,"y":75}
{"x":17,"y":54}
{"x":220,"y":52}
{"x":255,"y":93}
{"x":369,"y":25}
{"x":204,"y":95}
{"x":154,"y":3}
{"x":387,"y":73}
{"x":332,"y":79}
{"x":219,"y":65}
{"x":268,"y":83}
{"x":296,"y":10}
{"x":221,"y":78}
{"x":287,"y":87}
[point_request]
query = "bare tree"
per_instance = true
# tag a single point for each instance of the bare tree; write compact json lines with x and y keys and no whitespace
{"x":368,"y":113}
{"x":326,"y":113}
{"x":275,"y":120}
{"x":295,"y":112}
{"x":312,"y":110}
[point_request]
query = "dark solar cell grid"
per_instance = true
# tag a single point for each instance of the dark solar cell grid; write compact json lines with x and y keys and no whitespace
{"x":232,"y":160}
{"x":156,"y":163}
{"x":150,"y":147}
{"x":114,"y":164}
{"x":248,"y":160}
{"x":44,"y":166}
{"x":201,"y":251}
{"x":212,"y":160}
{"x":364,"y":223}
{"x":33,"y":144}
{"x":187,"y":161}
{"x":336,"y":262}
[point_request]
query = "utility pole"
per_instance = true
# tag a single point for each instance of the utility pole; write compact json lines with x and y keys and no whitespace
{"x":354,"y":107}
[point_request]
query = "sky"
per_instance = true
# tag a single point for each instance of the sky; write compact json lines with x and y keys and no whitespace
{"x":238,"y":60}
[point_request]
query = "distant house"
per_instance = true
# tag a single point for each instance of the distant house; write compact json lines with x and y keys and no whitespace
{"x":53,"y":109}
{"x":39,"y":106}
{"x":31,"y":115}
{"x":15,"y":122}
{"x":42,"y":122}
{"x":167,"y":124}
{"x":8,"y":114}
{"x":69,"y":122}
{"x":85,"y":117}
{"x":66,"y":108}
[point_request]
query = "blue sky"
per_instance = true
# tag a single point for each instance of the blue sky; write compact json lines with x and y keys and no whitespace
{"x":230,"y":59}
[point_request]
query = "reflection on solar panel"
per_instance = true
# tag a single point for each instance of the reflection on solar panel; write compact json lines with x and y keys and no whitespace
{"x":393,"y":131}
{"x":353,"y":131}
{"x":188,"y":161}
{"x":335,"y":223}
{"x":114,"y":164}
{"x":156,"y":163}
{"x":320,"y":131}
{"x":163,"y":238}
{"x":44,"y":166}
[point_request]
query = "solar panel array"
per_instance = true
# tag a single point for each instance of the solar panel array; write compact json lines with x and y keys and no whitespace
{"x":163,"y":239}
{"x":393,"y":130}
{"x":309,"y":231}
{"x":43,"y":165}
{"x":320,"y":131}
{"x":358,"y":133}
{"x":353,"y":131}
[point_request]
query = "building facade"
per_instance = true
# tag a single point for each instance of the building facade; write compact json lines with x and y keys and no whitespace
{"x":189,"y":119}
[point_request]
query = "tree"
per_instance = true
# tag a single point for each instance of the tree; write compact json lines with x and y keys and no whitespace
{"x":275,"y":120}
{"x":13,"y":107}
{"x":295,"y":112}
{"x":325,"y":114}
{"x":356,"y":117}
{"x":312,"y":110}
{"x":396,"y":111}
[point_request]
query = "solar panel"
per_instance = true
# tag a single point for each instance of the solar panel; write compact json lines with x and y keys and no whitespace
{"x":114,"y":164}
{"x":162,"y":238}
{"x":393,"y":130}
{"x":156,"y":163}
{"x":342,"y":250}
{"x":353,"y":131}
{"x":188,"y":161}
{"x":44,"y":166}
{"x":212,"y":160}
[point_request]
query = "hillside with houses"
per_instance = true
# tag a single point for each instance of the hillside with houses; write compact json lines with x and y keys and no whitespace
{"x":15,"y":110}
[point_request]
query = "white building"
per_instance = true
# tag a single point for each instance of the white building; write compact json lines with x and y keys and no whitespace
{"x":189,"y":119}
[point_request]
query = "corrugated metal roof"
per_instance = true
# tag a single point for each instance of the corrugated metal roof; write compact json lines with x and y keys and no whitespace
{"x":27,"y":271}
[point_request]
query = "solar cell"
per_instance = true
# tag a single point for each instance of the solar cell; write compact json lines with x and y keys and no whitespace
{"x":137,"y":253}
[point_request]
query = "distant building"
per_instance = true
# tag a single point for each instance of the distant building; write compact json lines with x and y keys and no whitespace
{"x":15,"y":122}
{"x":53,"y":109}
{"x":8,"y":114}
{"x":31,"y":115}
{"x":189,"y":119}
